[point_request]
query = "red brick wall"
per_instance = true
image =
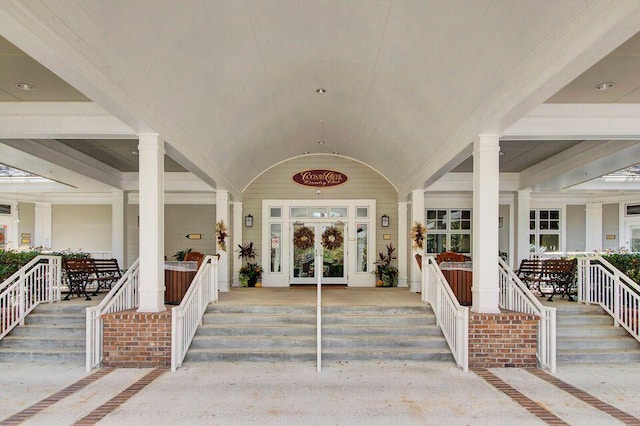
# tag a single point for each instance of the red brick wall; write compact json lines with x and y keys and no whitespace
{"x":137,"y":339}
{"x":507,"y":339}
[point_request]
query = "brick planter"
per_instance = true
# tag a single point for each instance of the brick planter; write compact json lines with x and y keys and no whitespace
{"x":137,"y":339}
{"x":507,"y":339}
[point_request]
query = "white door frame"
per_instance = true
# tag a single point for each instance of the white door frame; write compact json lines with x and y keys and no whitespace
{"x":354,"y":279}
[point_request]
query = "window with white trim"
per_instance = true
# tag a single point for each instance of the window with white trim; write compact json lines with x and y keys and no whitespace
{"x":448,"y":230}
{"x":544,"y":230}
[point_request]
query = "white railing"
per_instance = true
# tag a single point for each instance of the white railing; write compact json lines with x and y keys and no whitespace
{"x":515,"y":296}
{"x":123,"y":296}
{"x":452,"y":318}
{"x":602,"y":283}
{"x":37,"y":282}
{"x":187,"y":317}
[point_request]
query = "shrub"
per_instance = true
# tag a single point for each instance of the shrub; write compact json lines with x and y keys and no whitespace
{"x":12,"y":260}
{"x":628,"y":263}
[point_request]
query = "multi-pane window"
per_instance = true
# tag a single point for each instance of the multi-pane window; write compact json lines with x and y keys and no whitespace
{"x":544,"y":230}
{"x":448,"y":230}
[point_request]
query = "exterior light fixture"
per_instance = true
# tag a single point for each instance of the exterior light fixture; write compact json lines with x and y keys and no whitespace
{"x":384,"y":221}
{"x":605,"y":86}
{"x":25,"y":86}
{"x":321,"y":91}
{"x":248,"y":221}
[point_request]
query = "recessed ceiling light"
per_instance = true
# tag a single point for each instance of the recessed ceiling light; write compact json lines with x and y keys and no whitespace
{"x":336,"y":152}
{"x":321,"y":90}
{"x":501,"y":153}
{"x":25,"y":86}
{"x":134,"y":152}
{"x":320,"y":142}
{"x":307,"y":152}
{"x":605,"y":86}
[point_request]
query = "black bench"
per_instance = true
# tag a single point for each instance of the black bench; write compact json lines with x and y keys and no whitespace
{"x":81,"y":273}
{"x":549,"y":276}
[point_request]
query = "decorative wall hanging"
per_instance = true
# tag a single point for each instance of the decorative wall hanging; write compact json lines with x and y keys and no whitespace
{"x":332,"y":238}
{"x":417,"y":235}
{"x":320,"y":178}
{"x":303,"y":238}
{"x":221,"y":235}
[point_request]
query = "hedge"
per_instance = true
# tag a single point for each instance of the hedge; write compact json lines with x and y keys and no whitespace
{"x":628,"y":263}
{"x":12,"y":260}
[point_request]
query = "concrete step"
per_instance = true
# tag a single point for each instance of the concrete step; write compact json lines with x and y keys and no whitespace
{"x":599,"y":356}
{"x":246,"y":319}
{"x":311,"y":310}
{"x":382,"y":342}
{"x":261,"y":309}
{"x":587,"y":319}
{"x":255,"y":342}
{"x":385,"y":354}
{"x":42,"y":355}
{"x":256,"y":330}
{"x":576,"y":343}
{"x":576,"y":308}
{"x":61,"y":308}
{"x":378,"y":330}
{"x":381,"y":320}
{"x":29,"y":342}
{"x":43,"y":330}
{"x":595,"y":331}
{"x":54,"y":319}
{"x":250,"y":355}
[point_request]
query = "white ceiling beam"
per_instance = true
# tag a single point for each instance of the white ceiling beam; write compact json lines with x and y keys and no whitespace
{"x":578,"y":121}
{"x":463,"y":182}
{"x":62,"y":155}
{"x":173,"y":181}
{"x":580,"y":163}
{"x":60,"y":120}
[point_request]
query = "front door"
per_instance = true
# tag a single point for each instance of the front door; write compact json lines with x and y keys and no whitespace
{"x":325,"y":238}
{"x":633,"y":233}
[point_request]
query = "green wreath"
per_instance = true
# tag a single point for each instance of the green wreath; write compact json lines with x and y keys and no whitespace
{"x":303,"y":238}
{"x":332,"y":238}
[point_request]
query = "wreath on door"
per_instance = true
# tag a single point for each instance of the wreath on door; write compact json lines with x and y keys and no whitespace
{"x":332,"y":238}
{"x":303,"y":238}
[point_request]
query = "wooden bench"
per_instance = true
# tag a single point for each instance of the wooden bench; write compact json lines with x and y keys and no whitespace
{"x":81,"y":273}
{"x":549,"y":276}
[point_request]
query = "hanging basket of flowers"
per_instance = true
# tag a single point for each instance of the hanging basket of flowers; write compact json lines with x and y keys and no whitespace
{"x":221,"y":235}
{"x":417,"y":235}
{"x":303,"y":238}
{"x":332,"y":238}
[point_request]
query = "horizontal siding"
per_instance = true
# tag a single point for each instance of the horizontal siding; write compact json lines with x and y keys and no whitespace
{"x":84,"y":227}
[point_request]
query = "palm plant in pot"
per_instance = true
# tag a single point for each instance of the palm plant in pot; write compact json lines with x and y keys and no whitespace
{"x":251,"y":272}
{"x":386,"y":273}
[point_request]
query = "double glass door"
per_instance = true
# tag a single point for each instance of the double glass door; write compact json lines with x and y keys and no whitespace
{"x":325,"y":238}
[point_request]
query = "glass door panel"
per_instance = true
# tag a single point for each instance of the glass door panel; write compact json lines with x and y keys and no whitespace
{"x":311,"y":238}
{"x":304,"y":247}
{"x":332,"y":242}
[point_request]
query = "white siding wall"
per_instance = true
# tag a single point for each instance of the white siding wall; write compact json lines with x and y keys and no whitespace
{"x":27,"y":225}
{"x":181,"y":220}
{"x":610,"y":226}
{"x":576,"y":228}
{"x":84,"y":227}
{"x":503,"y":233}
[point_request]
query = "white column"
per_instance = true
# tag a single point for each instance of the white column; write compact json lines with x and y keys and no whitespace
{"x":151,"y":186}
{"x":119,"y":200}
{"x":222,"y":214}
{"x":403,"y":233}
{"x":417,"y":215}
{"x":42,"y":226}
{"x":486,"y":199}
{"x":593,"y":227}
{"x":524,"y":207}
{"x":238,"y":223}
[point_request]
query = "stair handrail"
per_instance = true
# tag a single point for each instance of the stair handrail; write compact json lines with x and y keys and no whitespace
{"x":601,"y":283}
{"x":124,"y":295}
{"x":515,"y":296}
{"x":38,"y":281}
{"x":451,"y":317}
{"x":187,"y":317}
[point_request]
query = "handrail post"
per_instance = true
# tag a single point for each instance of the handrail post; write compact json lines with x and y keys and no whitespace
{"x":581,"y":270}
{"x":319,"y":271}
{"x":616,"y":298}
{"x":22,"y":298}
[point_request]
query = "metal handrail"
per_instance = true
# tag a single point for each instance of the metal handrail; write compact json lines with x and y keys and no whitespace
{"x":452,"y":318}
{"x":187,"y":317}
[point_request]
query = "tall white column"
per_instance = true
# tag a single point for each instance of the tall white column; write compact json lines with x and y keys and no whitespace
{"x":524,"y":207}
{"x":222,"y":214}
{"x":151,"y":186}
{"x":417,"y":215}
{"x":486,"y":199}
{"x":238,"y":222}
{"x":593,"y":227}
{"x":119,"y":200}
{"x":42,"y":226}
{"x":403,"y":233}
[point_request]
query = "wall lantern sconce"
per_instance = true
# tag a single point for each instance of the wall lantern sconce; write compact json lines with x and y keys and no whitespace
{"x":248,"y":221}
{"x":385,"y":221}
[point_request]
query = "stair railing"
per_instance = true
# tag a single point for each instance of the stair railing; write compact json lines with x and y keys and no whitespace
{"x":452,"y":318}
{"x":124,"y":295}
{"x":515,"y":296}
{"x":38,"y":281}
{"x":187,"y":317}
{"x":599,"y":282}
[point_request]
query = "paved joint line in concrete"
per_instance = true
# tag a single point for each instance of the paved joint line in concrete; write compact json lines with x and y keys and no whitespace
{"x":526,"y":402}
{"x":96,"y":415}
{"x":586,"y":397}
{"x":31,"y":411}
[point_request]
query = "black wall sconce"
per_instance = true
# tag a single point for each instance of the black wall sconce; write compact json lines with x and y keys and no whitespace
{"x":385,"y":221}
{"x":248,"y":221}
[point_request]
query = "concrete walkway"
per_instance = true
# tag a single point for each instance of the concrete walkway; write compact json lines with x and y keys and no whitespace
{"x":294,"y":394}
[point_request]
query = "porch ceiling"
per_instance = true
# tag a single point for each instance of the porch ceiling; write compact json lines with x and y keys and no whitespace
{"x":232,"y":85}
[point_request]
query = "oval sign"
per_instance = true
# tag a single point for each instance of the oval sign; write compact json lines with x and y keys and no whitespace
{"x":319,"y":178}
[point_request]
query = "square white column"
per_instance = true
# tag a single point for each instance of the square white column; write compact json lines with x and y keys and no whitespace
{"x":486,"y":199}
{"x":42,"y":226}
{"x":403,"y":233}
{"x":222,"y":214}
{"x":119,"y":201}
{"x":238,"y":223}
{"x":417,"y":215}
{"x":593,"y":227}
{"x":151,"y":186}
{"x":524,"y":207}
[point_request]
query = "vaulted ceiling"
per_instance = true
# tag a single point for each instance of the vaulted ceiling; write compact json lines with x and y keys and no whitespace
{"x":232,"y":86}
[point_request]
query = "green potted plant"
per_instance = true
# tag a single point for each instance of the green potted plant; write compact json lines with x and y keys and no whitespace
{"x":251,"y":272}
{"x":386,"y":273}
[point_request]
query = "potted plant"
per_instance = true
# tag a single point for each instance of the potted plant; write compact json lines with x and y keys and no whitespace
{"x":251,"y":272}
{"x":386,"y":273}
{"x":179,"y":256}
